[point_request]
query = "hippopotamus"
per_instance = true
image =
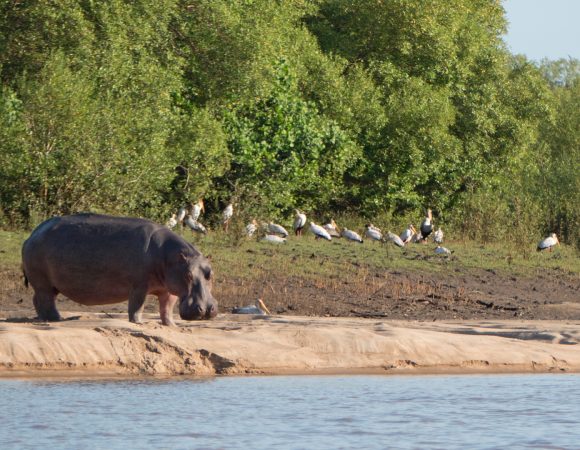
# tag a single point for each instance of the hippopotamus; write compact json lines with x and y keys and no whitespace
{"x":96,"y":259}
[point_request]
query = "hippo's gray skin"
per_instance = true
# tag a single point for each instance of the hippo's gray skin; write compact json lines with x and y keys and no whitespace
{"x":97,"y":260}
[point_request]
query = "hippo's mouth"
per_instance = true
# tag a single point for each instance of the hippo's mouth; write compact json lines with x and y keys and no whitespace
{"x":197,"y":312}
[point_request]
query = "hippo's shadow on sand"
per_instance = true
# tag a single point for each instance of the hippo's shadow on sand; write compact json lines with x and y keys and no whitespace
{"x":37,"y":321}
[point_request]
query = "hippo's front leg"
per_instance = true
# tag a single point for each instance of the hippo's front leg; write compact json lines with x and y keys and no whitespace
{"x":136,"y":304}
{"x":166,"y":303}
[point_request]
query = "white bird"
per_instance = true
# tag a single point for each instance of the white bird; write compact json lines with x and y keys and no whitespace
{"x":172,"y":222}
{"x":427,"y":225}
{"x":351,"y":235}
{"x":181,"y":214}
{"x":258,"y":308}
{"x":373,"y":232}
{"x":194,"y":225}
{"x":332,"y":228}
{"x":227,"y":214}
{"x":442,"y":250}
{"x":319,"y":232}
{"x":548,"y":243}
{"x":416,"y":238}
{"x":299,"y":222}
{"x":277,"y":229}
{"x":251,"y":228}
{"x":438,"y":236}
{"x":395,"y":239}
{"x":272,"y":238}
{"x":407,"y":235}
{"x":196,"y":209}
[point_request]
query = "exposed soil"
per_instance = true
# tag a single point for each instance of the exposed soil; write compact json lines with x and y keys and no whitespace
{"x":474,"y":294}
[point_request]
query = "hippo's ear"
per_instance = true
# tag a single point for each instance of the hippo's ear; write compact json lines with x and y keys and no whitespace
{"x":208,"y":257}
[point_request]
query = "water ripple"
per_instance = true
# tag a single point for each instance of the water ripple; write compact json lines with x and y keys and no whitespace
{"x":446,"y":412}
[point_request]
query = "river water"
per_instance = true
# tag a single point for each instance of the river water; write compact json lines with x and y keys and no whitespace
{"x":310,"y":412}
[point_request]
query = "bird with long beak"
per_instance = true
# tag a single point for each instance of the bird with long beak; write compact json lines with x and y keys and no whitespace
{"x":258,"y":308}
{"x":319,"y":232}
{"x":227,"y":215}
{"x":277,"y":229}
{"x":427,"y":225}
{"x":438,"y":236}
{"x":395,"y":239}
{"x":350,"y":235}
{"x":299,"y":222}
{"x":332,"y":228}
{"x":548,"y":243}
{"x":373,"y":233}
{"x":197,"y":209}
{"x":408,"y":234}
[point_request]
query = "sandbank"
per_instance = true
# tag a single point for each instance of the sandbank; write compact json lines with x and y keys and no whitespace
{"x":107,"y":345}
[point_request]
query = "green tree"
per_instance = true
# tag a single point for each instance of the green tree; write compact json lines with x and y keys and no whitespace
{"x":557,"y":185}
{"x":284,"y":153}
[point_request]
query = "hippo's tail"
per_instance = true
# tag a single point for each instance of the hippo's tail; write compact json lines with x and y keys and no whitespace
{"x":25,"y":277}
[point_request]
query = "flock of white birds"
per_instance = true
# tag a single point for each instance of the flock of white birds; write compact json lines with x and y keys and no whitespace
{"x":277,"y":234}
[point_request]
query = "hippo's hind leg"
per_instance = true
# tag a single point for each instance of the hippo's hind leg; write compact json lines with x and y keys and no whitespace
{"x":45,"y":305}
{"x":136,"y":304}
{"x":166,"y":304}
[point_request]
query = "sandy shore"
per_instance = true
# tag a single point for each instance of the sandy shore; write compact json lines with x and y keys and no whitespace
{"x":89,"y":345}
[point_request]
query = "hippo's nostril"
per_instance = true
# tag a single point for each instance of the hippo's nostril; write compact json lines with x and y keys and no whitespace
{"x":211,"y":311}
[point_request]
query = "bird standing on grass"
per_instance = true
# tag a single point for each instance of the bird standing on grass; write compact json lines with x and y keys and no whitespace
{"x":408,"y":234}
{"x":251,"y":228}
{"x":319,"y":232}
{"x":548,"y":243}
{"x":172,"y":222}
{"x":373,"y":233}
{"x":332,"y":228}
{"x":181,"y":214}
{"x":227,"y":214}
{"x":439,"y":250}
{"x":438,"y":236}
{"x":299,"y":222}
{"x":351,"y":235}
{"x":194,"y":225}
{"x":395,"y":239}
{"x":427,"y":225}
{"x":277,"y":229}
{"x":197,"y":209}
{"x":273,"y":239}
{"x":417,"y":238}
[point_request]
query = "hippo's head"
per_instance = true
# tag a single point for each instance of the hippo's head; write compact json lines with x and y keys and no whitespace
{"x":189,"y":276}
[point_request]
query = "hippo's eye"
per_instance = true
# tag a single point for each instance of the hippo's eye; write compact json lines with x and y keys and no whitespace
{"x":208,"y":274}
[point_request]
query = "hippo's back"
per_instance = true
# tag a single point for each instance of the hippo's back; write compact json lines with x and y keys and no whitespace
{"x":90,"y":257}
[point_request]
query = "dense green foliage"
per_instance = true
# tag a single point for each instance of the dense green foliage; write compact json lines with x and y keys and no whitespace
{"x":379,"y":108}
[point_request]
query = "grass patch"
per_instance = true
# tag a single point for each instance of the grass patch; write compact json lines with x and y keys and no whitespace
{"x":10,"y":247}
{"x":310,"y":258}
{"x":305,"y":257}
